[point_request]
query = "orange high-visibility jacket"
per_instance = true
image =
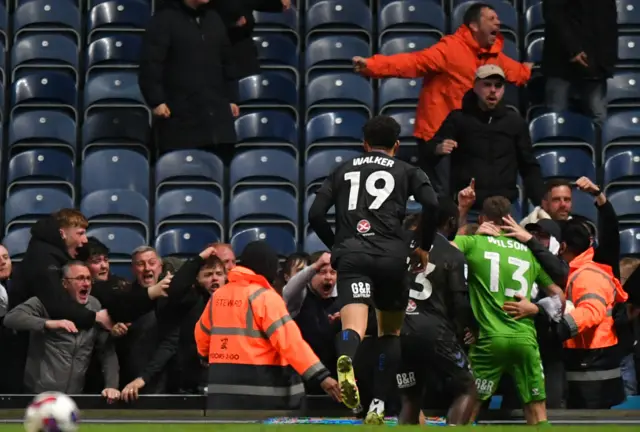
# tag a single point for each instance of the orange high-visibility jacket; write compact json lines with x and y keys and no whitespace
{"x":593,"y":290}
{"x":449,"y":69}
{"x":254,"y":347}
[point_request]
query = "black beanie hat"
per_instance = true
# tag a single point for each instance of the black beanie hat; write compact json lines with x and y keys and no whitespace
{"x":261,"y":258}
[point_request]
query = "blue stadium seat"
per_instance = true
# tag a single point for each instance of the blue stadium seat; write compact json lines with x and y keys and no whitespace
{"x":533,"y":23}
{"x":115,"y":89}
{"x":278,"y":238}
{"x":319,"y":165}
{"x":334,"y":51}
{"x":267,"y":128}
{"x":45,"y":50}
{"x":121,"y":50}
{"x":622,"y":167}
{"x":42,"y":128}
{"x":118,"y":15}
{"x":185,"y":241}
{"x":626,"y":202}
{"x":28,"y":205}
{"x":121,"y":269}
{"x":115,"y":169}
{"x":629,"y":241}
{"x":623,"y":90}
{"x":187,"y":206}
{"x":331,"y":214}
{"x":270,"y":89}
{"x":628,"y":16}
{"x":45,"y":88}
{"x":263,"y":205}
{"x":567,"y":163}
{"x":399,"y":92}
{"x":258,"y":167}
{"x":276,"y":50}
{"x":116,"y":128}
{"x":4,"y":24}
{"x":313,"y":244}
{"x":48,"y":167}
{"x":563,"y":129}
{"x":16,"y":242}
{"x":121,"y":241}
{"x":336,"y":128}
{"x":534,"y":50}
{"x":395,"y":43}
{"x":511,"y":49}
{"x":117,"y":207}
{"x":45,"y":15}
{"x":189,"y":168}
{"x":582,"y":204}
{"x":620,"y":129}
{"x":408,"y":150}
{"x":416,"y":16}
{"x":339,"y":16}
{"x":336,"y":90}
{"x":628,"y":51}
{"x":507,"y":13}
{"x":287,"y":22}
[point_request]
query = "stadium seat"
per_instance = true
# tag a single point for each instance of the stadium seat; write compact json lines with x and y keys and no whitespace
{"x":45,"y":50}
{"x":416,"y":16}
{"x":121,"y":50}
{"x":121,"y":269}
{"x":267,"y":128}
{"x":116,"y":128}
{"x":189,"y":168}
{"x":408,"y":150}
{"x":339,"y":16}
{"x":263,"y":205}
{"x":395,"y":43}
{"x":339,"y":90}
{"x":46,"y":16}
{"x":185,"y":241}
{"x":26,"y":206}
{"x":628,"y":16}
{"x":621,"y":129}
{"x":628,"y":51}
{"x":623,"y":90}
{"x":118,"y":15}
{"x":622,"y":167}
{"x":629,"y":242}
{"x":280,"y":239}
{"x":277,"y":51}
{"x":264,"y":167}
{"x":47,"y":166}
{"x":42,"y":128}
{"x":626,"y":202}
{"x":331,"y":214}
{"x":534,"y":50}
{"x":188,"y":206}
{"x":334,"y":52}
{"x":121,"y":241}
{"x":335,"y":129}
{"x":399,"y":92}
{"x":270,"y":89}
{"x":17,"y":242}
{"x":566,"y":163}
{"x":320,"y":164}
{"x":563,"y":129}
{"x":511,"y":49}
{"x":533,"y":23}
{"x":4,"y":25}
{"x":507,"y":13}
{"x":313,"y":244}
{"x":113,"y":89}
{"x":115,"y":169}
{"x":286,"y":22}
{"x":45,"y":89}
{"x":117,"y":207}
{"x":582,"y":204}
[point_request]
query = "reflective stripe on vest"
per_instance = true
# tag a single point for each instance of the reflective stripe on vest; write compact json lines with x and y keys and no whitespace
{"x":603,"y":375}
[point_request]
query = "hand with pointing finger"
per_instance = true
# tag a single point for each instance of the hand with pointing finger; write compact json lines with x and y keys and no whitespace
{"x":467,"y":196}
{"x":446,"y":147}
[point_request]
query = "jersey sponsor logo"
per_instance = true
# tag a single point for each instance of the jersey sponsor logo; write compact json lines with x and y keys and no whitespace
{"x":411,"y":306}
{"x":484,"y":387}
{"x":363,"y":226}
{"x":361,"y":290}
{"x":406,"y":380}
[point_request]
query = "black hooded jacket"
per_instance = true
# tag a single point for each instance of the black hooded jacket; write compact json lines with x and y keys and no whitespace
{"x":493,"y":147}
{"x":40,"y":275}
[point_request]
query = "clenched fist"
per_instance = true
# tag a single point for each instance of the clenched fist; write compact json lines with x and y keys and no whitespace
{"x":446,"y":147}
{"x":359,"y":64}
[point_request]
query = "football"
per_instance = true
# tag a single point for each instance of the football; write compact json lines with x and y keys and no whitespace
{"x":51,"y":412}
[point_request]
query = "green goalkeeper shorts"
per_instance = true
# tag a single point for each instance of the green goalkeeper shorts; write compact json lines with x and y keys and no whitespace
{"x":519,"y":357}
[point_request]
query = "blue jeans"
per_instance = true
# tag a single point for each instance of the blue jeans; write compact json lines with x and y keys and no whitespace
{"x":592,"y":96}
{"x":628,"y":370}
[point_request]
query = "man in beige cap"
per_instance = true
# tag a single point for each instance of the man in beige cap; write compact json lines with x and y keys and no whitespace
{"x":485,"y":141}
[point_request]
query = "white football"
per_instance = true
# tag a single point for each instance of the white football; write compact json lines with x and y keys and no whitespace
{"x":51,"y":412}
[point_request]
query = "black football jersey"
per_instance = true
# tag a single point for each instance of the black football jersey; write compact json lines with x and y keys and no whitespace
{"x":370,"y":194}
{"x":431,"y":291}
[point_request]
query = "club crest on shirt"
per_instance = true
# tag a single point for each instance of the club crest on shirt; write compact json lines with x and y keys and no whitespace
{"x":363,"y":226}
{"x":411,"y":306}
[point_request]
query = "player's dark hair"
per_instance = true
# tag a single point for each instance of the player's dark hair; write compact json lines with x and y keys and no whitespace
{"x":575,"y":235}
{"x":294,"y":260}
{"x":447,"y":210}
{"x":495,"y":208}
{"x":381,"y":132}
{"x":411,"y":221}
{"x":554,"y":183}
{"x":473,"y":14}
{"x":92,"y":248}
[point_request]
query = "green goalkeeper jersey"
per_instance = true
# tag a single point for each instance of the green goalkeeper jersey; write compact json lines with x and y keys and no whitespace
{"x":499,"y":269}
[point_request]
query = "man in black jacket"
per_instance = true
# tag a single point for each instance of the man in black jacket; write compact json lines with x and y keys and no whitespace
{"x":484,"y":141}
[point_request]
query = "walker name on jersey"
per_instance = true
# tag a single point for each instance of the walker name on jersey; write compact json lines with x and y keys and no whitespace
{"x":361,"y":290}
{"x":507,"y":244}
{"x":383,"y":161}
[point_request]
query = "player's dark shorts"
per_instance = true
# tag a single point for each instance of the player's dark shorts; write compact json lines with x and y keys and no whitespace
{"x":430,"y":354}
{"x":363,"y":277}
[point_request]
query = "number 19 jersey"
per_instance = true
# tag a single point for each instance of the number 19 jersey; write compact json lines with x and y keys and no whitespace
{"x":499,"y":269}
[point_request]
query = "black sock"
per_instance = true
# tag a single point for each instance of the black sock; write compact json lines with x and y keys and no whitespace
{"x":347,"y":342}
{"x":389,"y":357}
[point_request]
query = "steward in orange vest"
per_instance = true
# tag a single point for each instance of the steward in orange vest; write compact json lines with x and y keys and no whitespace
{"x":255,"y":351}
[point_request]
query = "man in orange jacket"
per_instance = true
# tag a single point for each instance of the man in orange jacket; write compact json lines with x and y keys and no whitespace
{"x":252,"y":345}
{"x":449,"y":67}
